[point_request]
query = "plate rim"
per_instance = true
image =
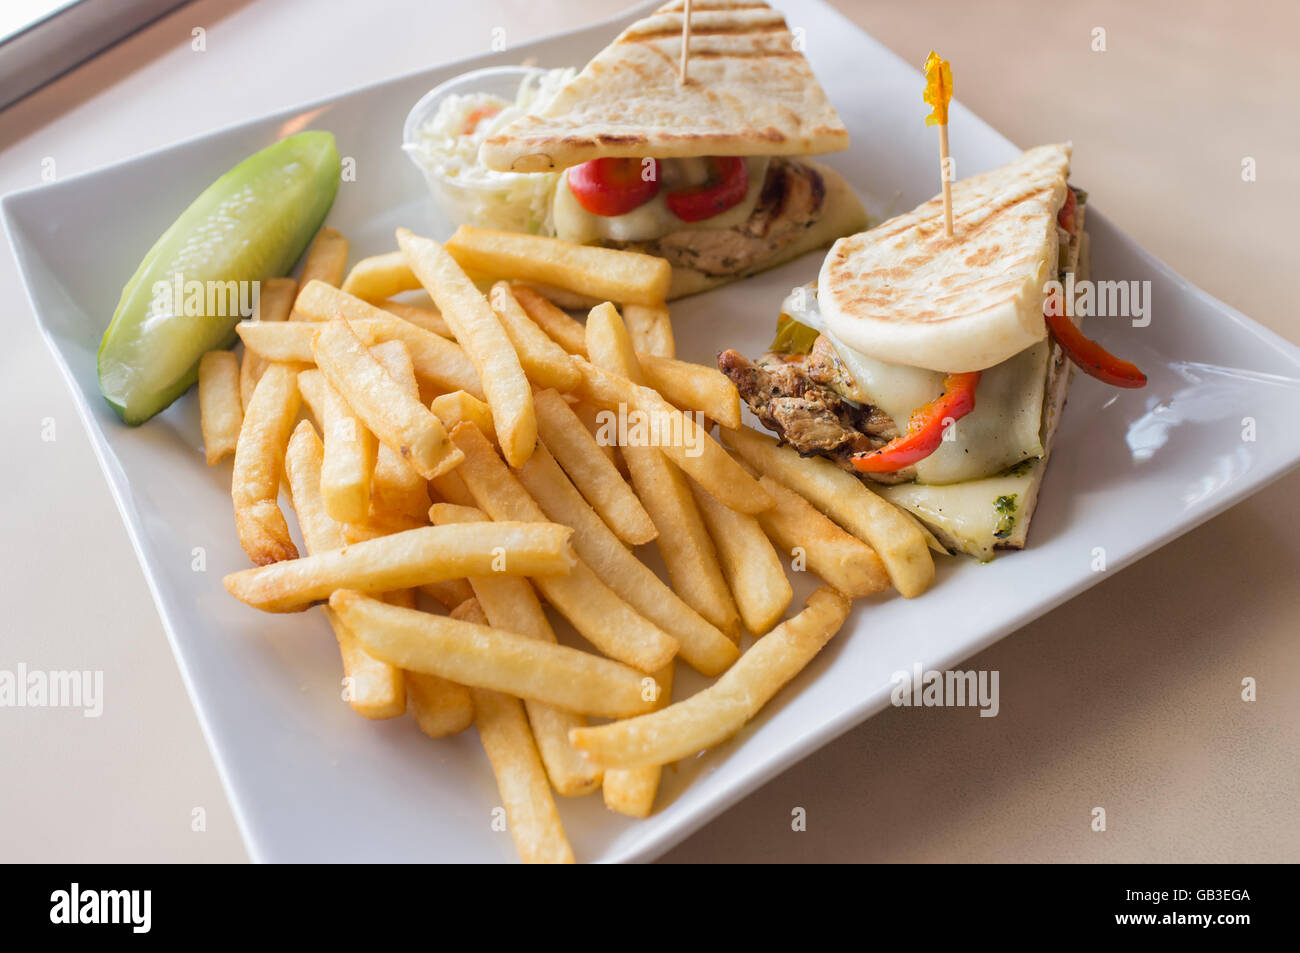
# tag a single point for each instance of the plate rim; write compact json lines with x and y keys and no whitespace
{"x":13,"y":205}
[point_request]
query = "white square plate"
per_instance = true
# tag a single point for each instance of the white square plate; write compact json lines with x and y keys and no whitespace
{"x":310,"y":781}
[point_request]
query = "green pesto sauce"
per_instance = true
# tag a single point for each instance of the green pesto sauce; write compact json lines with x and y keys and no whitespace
{"x":1005,"y":506}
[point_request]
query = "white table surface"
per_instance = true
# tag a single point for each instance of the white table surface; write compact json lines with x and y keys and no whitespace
{"x":1127,"y":697}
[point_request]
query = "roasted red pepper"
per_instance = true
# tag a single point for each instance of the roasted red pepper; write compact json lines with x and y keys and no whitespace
{"x":1065,"y":217}
{"x":925,"y":428}
{"x":726,"y":187}
{"x":1089,"y":356}
{"x":613,"y":186}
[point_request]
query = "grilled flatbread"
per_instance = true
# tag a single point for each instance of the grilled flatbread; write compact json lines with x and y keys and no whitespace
{"x":979,"y":516}
{"x":749,"y":91}
{"x":905,"y":293}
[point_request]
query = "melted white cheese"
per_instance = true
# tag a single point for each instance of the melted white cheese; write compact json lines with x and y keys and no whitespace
{"x":968,"y":516}
{"x":653,"y":219}
{"x":1004,"y":428}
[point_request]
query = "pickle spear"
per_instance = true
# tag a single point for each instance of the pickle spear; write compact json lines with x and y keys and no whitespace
{"x":187,"y":295}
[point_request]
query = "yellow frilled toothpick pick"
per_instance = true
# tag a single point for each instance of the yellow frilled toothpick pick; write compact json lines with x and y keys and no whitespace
{"x":938,"y":93}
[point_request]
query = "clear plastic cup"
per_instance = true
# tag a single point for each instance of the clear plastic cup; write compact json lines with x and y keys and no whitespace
{"x":495,"y":200}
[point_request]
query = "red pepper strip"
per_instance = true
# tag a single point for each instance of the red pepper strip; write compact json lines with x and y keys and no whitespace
{"x":1065,"y":217}
{"x":925,"y":428}
{"x":1091,"y":357}
{"x":613,"y":186}
{"x":727,"y":186}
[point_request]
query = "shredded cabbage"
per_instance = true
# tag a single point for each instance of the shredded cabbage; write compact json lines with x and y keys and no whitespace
{"x":470,"y":192}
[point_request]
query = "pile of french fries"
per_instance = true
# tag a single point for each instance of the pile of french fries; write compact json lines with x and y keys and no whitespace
{"x":453,"y":472}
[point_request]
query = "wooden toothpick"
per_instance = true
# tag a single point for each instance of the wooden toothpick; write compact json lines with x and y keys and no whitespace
{"x":686,"y":41}
{"x":946,"y":179}
{"x":938,"y":93}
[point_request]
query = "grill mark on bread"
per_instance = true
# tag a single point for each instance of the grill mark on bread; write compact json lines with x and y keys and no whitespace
{"x":740,"y":29}
{"x":981,"y":259}
{"x":906,"y":285}
{"x":748,"y":55}
{"x":750,"y":93}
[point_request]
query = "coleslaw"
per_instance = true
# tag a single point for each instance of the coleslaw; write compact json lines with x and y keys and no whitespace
{"x":446,"y":147}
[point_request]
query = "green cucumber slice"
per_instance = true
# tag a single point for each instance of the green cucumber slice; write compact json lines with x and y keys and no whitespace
{"x":252,"y":223}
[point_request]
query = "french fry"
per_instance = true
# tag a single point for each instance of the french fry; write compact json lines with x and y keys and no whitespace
{"x":703,"y":646}
{"x":751,"y":566}
{"x":399,"y":489}
{"x":562,"y":297}
{"x":376,"y":525}
{"x":845,"y":499}
{"x":591,"y":417}
{"x":303,"y":459}
{"x":350,"y":450}
{"x":259,"y":464}
{"x":405,"y":560}
{"x":452,"y":489}
{"x":685,"y":385}
{"x":690,"y":386}
{"x":576,"y":450}
{"x":651,"y":329}
{"x":598,"y":614}
{"x":603,"y":273}
{"x":326,"y":261}
{"x":508,"y":740}
{"x":609,"y":346}
{"x":509,"y":603}
{"x":274,"y":302}
{"x":399,"y":420}
{"x":683,"y":540}
{"x":840,"y":559}
{"x":220,"y":411}
{"x":545,"y":362}
{"x":632,"y":791}
{"x":290,"y":342}
{"x":481,"y":657}
{"x":440,"y":707}
{"x":426,"y":318}
{"x":681,"y":439}
{"x":380,"y":277}
{"x":439,"y":363}
{"x":479,"y":331}
{"x":713,"y":715}
{"x":375,"y":689}
{"x":930,"y":539}
{"x":521,"y":779}
{"x":443,"y":514}
{"x":380,"y":519}
{"x":459,"y":406}
{"x":327,"y":258}
{"x":562,"y":329}
{"x":449,"y":593}
{"x":311,"y":387}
